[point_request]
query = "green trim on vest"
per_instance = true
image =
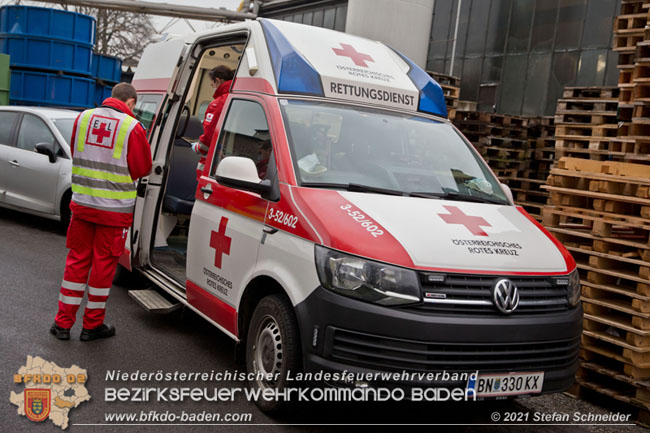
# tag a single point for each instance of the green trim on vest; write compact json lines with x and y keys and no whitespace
{"x":103,"y":193}
{"x":121,"y":137}
{"x":83,"y":129}
{"x":102,"y":175}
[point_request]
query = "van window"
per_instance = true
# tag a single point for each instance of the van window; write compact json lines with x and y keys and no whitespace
{"x":335,"y":145}
{"x":146,"y":108}
{"x":245,"y":133}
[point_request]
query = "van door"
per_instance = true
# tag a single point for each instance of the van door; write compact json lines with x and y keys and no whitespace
{"x":226,"y":225}
{"x":158,"y":72}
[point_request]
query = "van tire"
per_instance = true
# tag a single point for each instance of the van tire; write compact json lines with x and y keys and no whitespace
{"x":272,"y":346}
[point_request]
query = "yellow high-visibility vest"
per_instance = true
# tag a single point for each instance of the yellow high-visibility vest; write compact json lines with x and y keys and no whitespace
{"x":100,"y":172}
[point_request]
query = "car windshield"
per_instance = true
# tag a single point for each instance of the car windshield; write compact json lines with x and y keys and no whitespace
{"x":65,"y":128}
{"x":362,"y":149}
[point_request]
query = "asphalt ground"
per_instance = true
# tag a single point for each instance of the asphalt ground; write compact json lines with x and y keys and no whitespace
{"x":32,"y":258}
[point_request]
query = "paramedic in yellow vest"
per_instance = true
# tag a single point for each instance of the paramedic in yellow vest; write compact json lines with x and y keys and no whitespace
{"x":110,"y":151}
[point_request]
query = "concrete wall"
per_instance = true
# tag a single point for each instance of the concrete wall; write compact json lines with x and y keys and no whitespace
{"x":401,"y":24}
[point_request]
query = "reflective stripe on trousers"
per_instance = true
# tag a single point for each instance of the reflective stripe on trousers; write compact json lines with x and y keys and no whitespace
{"x":91,"y":264}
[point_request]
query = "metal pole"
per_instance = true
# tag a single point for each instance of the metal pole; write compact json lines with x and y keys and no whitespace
{"x":453,"y":47}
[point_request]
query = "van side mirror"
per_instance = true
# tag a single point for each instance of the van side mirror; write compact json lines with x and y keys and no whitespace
{"x":507,"y":192}
{"x":240,"y":173}
{"x":47,"y":149}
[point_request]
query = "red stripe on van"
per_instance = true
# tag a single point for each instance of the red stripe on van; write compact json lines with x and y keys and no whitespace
{"x":212,"y":306}
{"x":151,"y":84}
{"x":339,"y":230}
{"x":568,"y":258}
{"x":252,"y":85}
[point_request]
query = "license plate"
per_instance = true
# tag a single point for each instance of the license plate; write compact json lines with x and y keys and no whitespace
{"x":496,"y":385}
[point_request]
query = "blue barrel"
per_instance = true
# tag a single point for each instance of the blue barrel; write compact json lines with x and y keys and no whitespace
{"x":50,"y":23}
{"x":101,"y":93}
{"x":52,"y":54}
{"x":41,"y":88}
{"x":107,"y":68}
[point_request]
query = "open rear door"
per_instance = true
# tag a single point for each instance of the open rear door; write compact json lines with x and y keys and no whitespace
{"x":157,"y":73}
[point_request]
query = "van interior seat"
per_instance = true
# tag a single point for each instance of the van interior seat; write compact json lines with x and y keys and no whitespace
{"x":182,"y":181}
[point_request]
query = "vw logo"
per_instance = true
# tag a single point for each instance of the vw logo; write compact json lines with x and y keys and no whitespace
{"x":505,"y":296}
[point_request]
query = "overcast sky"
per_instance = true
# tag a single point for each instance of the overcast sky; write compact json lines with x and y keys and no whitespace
{"x":174,"y":25}
{"x":168,"y":24}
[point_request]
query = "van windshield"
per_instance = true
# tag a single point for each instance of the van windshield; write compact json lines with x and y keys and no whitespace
{"x":362,"y":149}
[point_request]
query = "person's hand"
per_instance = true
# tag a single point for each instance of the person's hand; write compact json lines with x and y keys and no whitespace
{"x":196,"y":146}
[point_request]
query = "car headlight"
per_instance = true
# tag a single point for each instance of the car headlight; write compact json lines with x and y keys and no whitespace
{"x":573,"y":289}
{"x":365,"y":279}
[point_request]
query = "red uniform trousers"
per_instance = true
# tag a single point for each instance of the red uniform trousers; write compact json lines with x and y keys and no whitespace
{"x":92,"y":260}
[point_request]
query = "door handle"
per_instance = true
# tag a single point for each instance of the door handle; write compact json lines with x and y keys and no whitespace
{"x":206,"y":190}
{"x":14,"y":163}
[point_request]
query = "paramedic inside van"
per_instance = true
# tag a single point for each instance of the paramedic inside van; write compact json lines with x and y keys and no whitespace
{"x":221,"y":79}
{"x":264,"y":155}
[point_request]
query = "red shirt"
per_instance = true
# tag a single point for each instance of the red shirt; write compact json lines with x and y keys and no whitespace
{"x":138,"y":159}
{"x":213,"y":112}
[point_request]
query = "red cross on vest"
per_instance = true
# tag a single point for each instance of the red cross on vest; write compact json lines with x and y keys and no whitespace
{"x":101,"y":132}
{"x":457,"y":216}
{"x":358,"y":58}
{"x":220,"y":242}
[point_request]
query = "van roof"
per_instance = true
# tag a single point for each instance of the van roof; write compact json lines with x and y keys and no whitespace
{"x":289,"y":58}
{"x":321,"y":62}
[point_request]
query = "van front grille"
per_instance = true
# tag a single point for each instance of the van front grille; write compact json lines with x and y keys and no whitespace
{"x":387,"y":353}
{"x":472,"y":294}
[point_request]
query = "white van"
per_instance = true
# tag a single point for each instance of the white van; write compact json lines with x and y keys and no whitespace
{"x":375,"y":239}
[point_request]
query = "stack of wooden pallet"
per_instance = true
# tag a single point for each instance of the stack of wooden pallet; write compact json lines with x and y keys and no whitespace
{"x":585,"y":122}
{"x":502,"y":140}
{"x":629,"y":30}
{"x":601,"y":212}
{"x":509,"y":144}
{"x":451,"y":88}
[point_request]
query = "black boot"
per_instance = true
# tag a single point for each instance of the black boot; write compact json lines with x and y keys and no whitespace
{"x":103,"y":331}
{"x":60,"y":333}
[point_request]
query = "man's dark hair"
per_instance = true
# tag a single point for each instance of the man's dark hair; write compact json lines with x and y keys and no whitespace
{"x":266,"y":144}
{"x":223,"y":72}
{"x":124,"y":92}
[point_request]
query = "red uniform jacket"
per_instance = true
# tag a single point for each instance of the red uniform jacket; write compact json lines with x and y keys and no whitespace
{"x":138,"y":159}
{"x":212,"y":114}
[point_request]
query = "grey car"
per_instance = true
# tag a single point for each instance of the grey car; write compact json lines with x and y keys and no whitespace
{"x":35,"y":160}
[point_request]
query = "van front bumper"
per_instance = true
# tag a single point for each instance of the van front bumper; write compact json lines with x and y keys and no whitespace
{"x":340,"y":334}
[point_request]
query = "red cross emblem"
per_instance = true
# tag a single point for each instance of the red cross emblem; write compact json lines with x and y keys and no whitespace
{"x":101,"y":132}
{"x":457,"y":216}
{"x":220,"y":242}
{"x":358,"y":58}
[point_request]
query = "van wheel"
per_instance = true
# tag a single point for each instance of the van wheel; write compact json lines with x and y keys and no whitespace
{"x":272,"y":347}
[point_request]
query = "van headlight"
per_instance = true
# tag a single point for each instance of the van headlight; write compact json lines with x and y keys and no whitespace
{"x":366,"y":280}
{"x":573,"y":289}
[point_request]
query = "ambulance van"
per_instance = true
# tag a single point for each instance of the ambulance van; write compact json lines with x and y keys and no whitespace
{"x":342,"y":223}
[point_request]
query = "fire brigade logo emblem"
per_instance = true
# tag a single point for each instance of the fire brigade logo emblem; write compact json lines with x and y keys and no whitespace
{"x":101,"y":131}
{"x":37,"y":404}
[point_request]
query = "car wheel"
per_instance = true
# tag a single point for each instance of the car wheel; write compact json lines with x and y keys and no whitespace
{"x":272,"y":348}
{"x":65,"y":210}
